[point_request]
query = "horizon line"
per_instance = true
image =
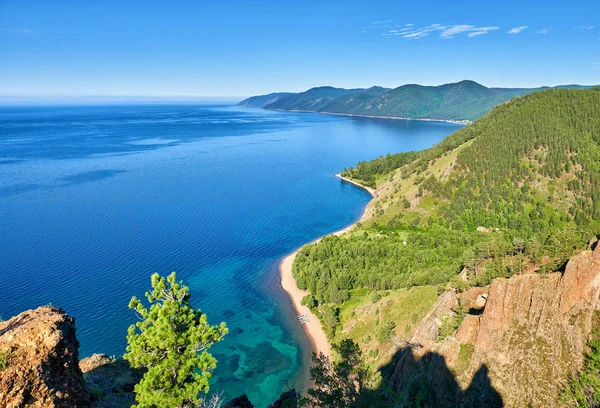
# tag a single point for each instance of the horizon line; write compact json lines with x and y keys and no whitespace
{"x":4,"y":98}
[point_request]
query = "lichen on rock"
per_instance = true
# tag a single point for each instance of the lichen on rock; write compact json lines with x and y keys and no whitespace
{"x":41,"y":364}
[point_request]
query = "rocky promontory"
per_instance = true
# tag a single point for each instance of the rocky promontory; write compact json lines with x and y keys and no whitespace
{"x":39,"y":361}
{"x":40,"y":367}
{"x":519,"y":340}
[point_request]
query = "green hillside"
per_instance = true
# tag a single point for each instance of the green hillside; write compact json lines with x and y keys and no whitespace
{"x":345,"y":103}
{"x":263,"y":100}
{"x":466,"y":100}
{"x":312,"y":100}
{"x":461,"y":101}
{"x":516,"y":189}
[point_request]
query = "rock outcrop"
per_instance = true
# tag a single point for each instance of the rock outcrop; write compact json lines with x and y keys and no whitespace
{"x":40,"y":368}
{"x":239,"y":402}
{"x":40,"y":361}
{"x":288,"y":399}
{"x":110,"y":380}
{"x":524,"y":337}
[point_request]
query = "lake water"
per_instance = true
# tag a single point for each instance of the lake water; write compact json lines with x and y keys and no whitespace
{"x":94,"y":199}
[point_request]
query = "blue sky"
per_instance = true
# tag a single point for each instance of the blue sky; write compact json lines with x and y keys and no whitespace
{"x":241,"y":48}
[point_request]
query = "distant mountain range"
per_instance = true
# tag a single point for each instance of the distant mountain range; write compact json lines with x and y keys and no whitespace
{"x":461,"y":101}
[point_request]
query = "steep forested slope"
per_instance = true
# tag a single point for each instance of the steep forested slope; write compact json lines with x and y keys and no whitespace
{"x":312,"y":100}
{"x":263,"y":100}
{"x":519,"y":187}
{"x":466,"y":100}
{"x":461,"y":101}
{"x":346,"y":103}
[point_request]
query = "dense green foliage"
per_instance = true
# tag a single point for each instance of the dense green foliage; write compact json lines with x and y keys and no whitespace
{"x":545,"y":138}
{"x":528,"y":174}
{"x":366,"y":172}
{"x":311,"y":100}
{"x":465,"y":100}
{"x":341,"y":103}
{"x":583,"y":390}
{"x":341,"y":383}
{"x":335,"y":265}
{"x":171,"y":341}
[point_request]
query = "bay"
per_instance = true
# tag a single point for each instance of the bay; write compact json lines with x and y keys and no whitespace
{"x":94,"y":199}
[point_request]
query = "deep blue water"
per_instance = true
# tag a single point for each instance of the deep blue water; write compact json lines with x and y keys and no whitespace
{"x":95,"y":199}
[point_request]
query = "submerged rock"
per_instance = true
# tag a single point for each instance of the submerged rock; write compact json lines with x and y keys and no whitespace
{"x":288,"y":399}
{"x":239,"y":402}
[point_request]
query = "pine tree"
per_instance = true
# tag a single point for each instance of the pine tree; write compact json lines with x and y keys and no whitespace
{"x":343,"y":383}
{"x":171,"y":342}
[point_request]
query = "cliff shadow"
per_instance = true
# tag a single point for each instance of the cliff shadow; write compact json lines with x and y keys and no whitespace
{"x":109,"y":381}
{"x":428,"y":382}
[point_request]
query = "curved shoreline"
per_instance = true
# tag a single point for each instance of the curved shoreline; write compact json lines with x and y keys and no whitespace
{"x":356,"y":115}
{"x":313,"y":327}
{"x":456,"y":122}
{"x":368,"y":189}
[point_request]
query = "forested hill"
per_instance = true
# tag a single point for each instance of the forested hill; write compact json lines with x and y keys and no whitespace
{"x":518,"y":187}
{"x":462,"y":101}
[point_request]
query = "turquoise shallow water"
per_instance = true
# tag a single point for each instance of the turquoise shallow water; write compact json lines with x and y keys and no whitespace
{"x":95,"y":199}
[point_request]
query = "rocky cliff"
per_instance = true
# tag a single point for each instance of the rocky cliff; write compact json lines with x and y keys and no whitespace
{"x":40,"y":367}
{"x":519,"y":341}
{"x":39,"y":364}
{"x":516,"y":342}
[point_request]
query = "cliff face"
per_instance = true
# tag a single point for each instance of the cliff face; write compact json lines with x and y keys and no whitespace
{"x":523,"y":337}
{"x":40,"y":368}
{"x":39,"y":364}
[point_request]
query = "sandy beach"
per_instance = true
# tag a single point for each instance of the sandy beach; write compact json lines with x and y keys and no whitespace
{"x":369,"y":189}
{"x":313,"y":327}
{"x":456,"y":122}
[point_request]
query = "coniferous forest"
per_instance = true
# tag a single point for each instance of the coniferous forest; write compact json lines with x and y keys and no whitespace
{"x":519,"y":186}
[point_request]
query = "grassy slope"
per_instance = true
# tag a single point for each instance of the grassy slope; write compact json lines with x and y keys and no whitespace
{"x":542,"y":151}
{"x":362,"y":318}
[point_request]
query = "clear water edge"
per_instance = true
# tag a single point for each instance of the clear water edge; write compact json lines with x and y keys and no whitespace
{"x":93,"y":200}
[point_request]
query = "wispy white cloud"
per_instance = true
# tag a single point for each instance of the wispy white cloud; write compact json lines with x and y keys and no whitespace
{"x":543,"y":31}
{"x":596,"y":64}
{"x":476,"y":33}
{"x":445,"y":31}
{"x":469,"y":29}
{"x":25,"y":31}
{"x":422,"y":32}
{"x":517,"y":30}
{"x":450,"y":32}
{"x":585,"y":27}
